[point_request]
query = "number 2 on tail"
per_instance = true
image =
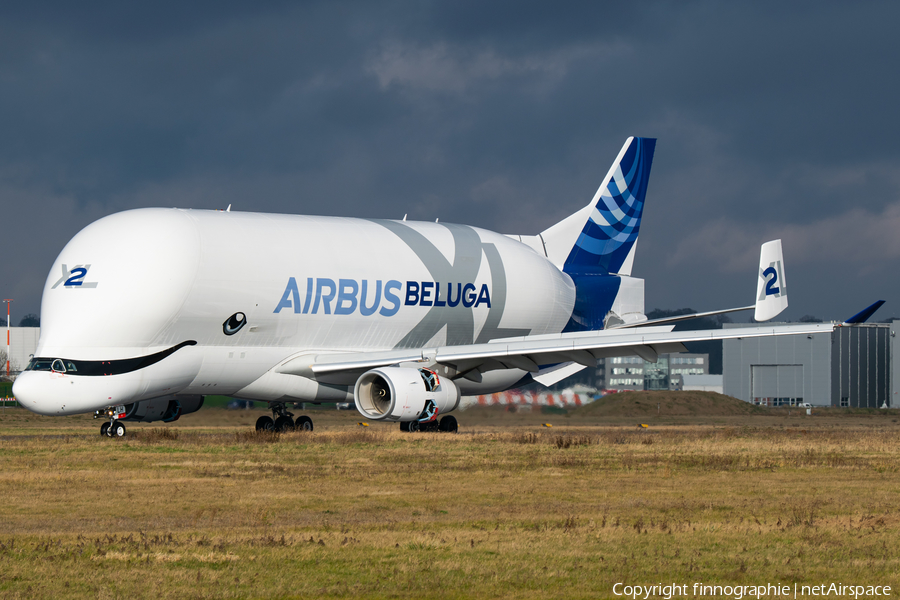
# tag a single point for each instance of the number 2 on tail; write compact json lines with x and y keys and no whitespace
{"x":771,"y":290}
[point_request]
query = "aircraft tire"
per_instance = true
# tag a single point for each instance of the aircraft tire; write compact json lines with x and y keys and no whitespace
{"x":449,"y":424}
{"x":284,"y":423}
{"x":414,"y":427}
{"x":304,"y":423}
{"x":117,"y":429}
{"x":265,"y":423}
{"x":104,"y":429}
{"x":404,"y":426}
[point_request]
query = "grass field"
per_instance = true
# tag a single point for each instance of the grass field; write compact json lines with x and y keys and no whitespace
{"x":207,"y":508}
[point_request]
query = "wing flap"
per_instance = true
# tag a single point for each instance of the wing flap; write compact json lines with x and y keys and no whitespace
{"x":556,"y":373}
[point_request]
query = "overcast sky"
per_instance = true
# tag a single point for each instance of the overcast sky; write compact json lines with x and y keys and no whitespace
{"x":774,"y":119}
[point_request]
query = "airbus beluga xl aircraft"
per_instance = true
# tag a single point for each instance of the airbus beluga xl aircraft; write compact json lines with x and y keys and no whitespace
{"x":146,"y":311}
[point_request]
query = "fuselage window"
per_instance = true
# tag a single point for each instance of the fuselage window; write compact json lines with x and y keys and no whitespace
{"x":58,"y":366}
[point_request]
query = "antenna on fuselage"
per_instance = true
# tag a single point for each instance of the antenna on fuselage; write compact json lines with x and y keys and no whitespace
{"x":228,"y":209}
{"x":404,"y":216}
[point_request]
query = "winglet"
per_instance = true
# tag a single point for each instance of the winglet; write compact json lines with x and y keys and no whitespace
{"x":863,"y":315}
{"x":771,"y":288}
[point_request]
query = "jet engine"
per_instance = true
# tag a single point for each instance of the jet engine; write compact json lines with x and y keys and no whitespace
{"x":404,"y":394}
{"x":165,"y":408}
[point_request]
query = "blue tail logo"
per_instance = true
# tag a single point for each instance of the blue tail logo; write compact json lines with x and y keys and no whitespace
{"x":614,"y":224}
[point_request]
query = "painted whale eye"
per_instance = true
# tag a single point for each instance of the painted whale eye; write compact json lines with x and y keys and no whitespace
{"x":234,"y":323}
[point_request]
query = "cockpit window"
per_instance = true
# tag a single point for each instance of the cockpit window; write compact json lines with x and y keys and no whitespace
{"x":52,"y":364}
{"x":95,"y":368}
{"x":39,"y":364}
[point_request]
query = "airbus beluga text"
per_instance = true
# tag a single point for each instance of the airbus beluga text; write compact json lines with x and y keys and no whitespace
{"x":146,"y":311}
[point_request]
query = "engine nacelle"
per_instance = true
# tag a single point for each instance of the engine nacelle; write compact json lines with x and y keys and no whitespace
{"x":165,"y":408}
{"x":404,"y":394}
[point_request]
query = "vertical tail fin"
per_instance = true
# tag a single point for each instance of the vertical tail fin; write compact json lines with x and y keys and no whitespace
{"x":601,"y":237}
{"x":771,"y":288}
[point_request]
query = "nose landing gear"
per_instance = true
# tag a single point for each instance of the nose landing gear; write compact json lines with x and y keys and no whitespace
{"x":114,"y":428}
{"x":282,"y":420}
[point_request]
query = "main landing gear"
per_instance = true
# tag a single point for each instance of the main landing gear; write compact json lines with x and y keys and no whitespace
{"x":447,"y":424}
{"x":282,"y":420}
{"x":114,"y":428}
{"x":428,"y":421}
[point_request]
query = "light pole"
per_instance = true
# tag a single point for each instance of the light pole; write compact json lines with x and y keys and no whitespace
{"x":8,"y":301}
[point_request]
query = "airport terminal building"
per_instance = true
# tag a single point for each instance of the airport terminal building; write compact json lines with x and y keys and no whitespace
{"x":632,"y":373}
{"x":853,"y":367}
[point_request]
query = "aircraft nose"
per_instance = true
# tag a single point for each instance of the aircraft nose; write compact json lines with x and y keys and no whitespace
{"x":30,"y":390}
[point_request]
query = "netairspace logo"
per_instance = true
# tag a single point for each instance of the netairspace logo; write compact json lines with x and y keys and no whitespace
{"x":348,"y":296}
{"x":738,"y":592}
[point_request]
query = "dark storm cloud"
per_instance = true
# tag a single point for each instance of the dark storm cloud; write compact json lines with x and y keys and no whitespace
{"x":773,"y":119}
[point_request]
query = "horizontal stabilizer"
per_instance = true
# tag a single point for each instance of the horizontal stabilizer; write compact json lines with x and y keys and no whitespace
{"x":678,"y":318}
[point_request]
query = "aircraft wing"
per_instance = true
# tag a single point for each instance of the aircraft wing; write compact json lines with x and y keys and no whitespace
{"x":530,"y":353}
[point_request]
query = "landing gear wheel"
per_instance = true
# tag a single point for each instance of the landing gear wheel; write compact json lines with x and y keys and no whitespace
{"x":117,"y":429}
{"x":449,"y":424}
{"x":265,"y":424}
{"x":303,"y":423}
{"x":104,"y":429}
{"x":284,"y":423}
{"x":414,"y":426}
{"x":404,"y":426}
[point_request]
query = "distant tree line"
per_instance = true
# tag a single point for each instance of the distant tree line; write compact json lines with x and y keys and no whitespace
{"x":29,"y":320}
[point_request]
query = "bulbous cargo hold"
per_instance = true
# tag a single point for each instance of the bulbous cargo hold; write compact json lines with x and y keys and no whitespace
{"x":154,"y":278}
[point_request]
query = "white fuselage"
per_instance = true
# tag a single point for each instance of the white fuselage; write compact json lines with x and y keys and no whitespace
{"x":141,"y":282}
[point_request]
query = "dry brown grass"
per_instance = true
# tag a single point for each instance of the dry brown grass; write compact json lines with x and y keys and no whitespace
{"x":515,"y":510}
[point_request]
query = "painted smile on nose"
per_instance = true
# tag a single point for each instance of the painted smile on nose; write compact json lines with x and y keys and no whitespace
{"x":95,"y":368}
{"x":52,"y":386}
